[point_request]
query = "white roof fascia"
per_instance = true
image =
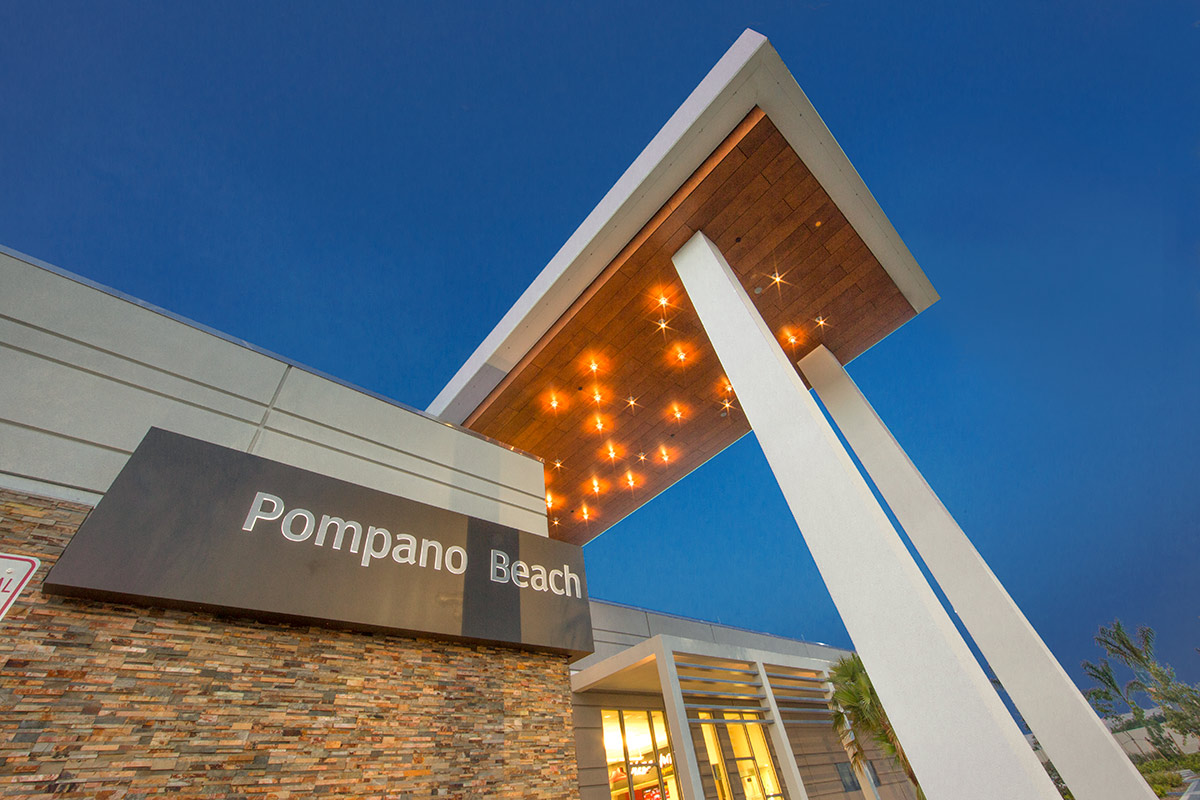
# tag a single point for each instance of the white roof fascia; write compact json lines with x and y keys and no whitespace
{"x":718,"y":104}
{"x":786,"y":105}
{"x":749,"y":74}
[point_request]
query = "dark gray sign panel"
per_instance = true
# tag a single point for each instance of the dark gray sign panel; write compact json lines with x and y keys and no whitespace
{"x":191,"y":524}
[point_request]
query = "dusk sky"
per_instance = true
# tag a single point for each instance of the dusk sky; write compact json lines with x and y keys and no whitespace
{"x":366,"y":188}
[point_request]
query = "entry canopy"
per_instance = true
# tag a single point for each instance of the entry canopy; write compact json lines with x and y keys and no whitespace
{"x":602,"y":368}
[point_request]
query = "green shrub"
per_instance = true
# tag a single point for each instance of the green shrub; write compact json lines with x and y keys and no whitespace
{"x":1191,"y":761}
{"x":1163,"y":782}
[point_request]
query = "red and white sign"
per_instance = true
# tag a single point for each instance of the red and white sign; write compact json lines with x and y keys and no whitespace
{"x":15,"y":572}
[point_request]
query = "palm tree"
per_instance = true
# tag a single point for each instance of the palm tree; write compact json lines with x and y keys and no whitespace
{"x":1178,"y":702}
{"x":1138,"y":656}
{"x":1105,"y":697}
{"x":857,"y":713}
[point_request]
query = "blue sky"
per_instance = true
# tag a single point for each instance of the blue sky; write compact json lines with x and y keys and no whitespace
{"x":366,"y":188}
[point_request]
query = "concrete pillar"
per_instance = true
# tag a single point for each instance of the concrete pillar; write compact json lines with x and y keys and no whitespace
{"x":1086,"y":755}
{"x":960,"y":739}
{"x":687,"y":768}
{"x":788,"y":771}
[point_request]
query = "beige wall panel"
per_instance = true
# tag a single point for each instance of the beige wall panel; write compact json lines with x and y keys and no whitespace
{"x":355,"y":469}
{"x":56,"y":354}
{"x":602,"y":651}
{"x":91,"y":408}
{"x":677,"y":626}
{"x":376,"y":456}
{"x":72,"y":309}
{"x":620,"y":619}
{"x":624,"y":639}
{"x":55,"y":460}
{"x":93,"y":372}
{"x":589,"y":745}
{"x":817,"y":750}
{"x":761,"y":641}
{"x":314,"y":398}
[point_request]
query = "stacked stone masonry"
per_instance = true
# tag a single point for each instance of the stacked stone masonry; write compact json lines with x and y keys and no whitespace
{"x":114,"y":701}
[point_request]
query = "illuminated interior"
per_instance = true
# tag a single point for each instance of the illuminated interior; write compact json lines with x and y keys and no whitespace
{"x":737,"y":757}
{"x":640,"y":764}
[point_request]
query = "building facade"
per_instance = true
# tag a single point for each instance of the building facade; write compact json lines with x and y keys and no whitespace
{"x":248,"y":578}
{"x":755,"y":708}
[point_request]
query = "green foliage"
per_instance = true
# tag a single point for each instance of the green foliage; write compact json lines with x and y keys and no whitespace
{"x":1190,"y":761}
{"x":1179,"y":702}
{"x":857,"y":713}
{"x":1163,"y":783}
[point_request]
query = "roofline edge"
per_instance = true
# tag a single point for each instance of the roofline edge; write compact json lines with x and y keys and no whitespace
{"x":750,"y":73}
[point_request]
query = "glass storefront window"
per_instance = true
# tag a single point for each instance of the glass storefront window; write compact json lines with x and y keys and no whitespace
{"x":752,"y":759}
{"x":849,"y":779}
{"x":738,"y":757}
{"x":716,"y":761}
{"x":614,"y":751}
{"x":640,"y":764}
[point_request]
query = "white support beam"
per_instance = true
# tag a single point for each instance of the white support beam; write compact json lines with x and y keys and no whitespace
{"x":1086,"y":755}
{"x":687,"y":769}
{"x":779,"y":738}
{"x":958,"y":735}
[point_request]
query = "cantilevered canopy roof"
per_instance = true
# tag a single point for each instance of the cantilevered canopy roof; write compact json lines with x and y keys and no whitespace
{"x":602,"y":369}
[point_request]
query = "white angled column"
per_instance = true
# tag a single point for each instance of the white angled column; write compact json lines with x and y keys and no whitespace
{"x":960,"y":739}
{"x":1086,"y":755}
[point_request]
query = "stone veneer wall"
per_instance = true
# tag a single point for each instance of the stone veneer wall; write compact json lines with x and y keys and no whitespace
{"x":104,"y":700}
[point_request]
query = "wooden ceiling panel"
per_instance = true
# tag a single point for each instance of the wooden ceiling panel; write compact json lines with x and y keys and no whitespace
{"x":795,"y":254}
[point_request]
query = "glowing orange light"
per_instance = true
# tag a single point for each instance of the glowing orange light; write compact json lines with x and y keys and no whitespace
{"x":593,"y":366}
{"x":729,"y":387}
{"x":596,"y":395}
{"x":682,"y":356}
{"x":821,"y":322}
{"x":641,"y":456}
{"x":554,"y":402}
{"x":776,"y":279}
{"x":817,"y":224}
{"x":665,"y":457}
{"x":678,"y":413}
{"x":556,"y":522}
{"x":595,"y":486}
{"x":585,"y":513}
{"x":558,"y":463}
{"x":726,"y":405}
{"x":791,"y":338}
{"x":612,"y":453}
{"x":599,"y":424}
{"x":632,"y":401}
{"x":629,"y":479}
{"x":663,"y":301}
{"x":549,"y":501}
{"x":662,"y":324}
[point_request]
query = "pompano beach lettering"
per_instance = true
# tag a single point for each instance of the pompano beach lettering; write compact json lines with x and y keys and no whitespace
{"x":300,"y":525}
